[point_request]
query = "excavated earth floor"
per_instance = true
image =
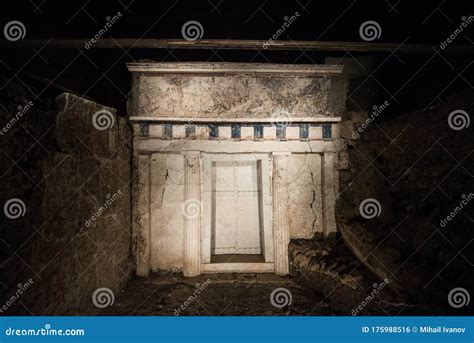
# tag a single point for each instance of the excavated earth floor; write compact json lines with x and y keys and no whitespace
{"x":170,"y":294}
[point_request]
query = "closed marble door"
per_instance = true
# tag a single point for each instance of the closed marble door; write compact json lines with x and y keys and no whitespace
{"x":236,"y":210}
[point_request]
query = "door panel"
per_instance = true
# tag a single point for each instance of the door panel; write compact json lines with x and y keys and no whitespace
{"x":236,"y":217}
{"x":248,"y":241}
{"x":224,"y":177}
{"x":224,"y":205}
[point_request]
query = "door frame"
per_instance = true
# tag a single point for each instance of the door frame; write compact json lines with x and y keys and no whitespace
{"x":264,"y":161}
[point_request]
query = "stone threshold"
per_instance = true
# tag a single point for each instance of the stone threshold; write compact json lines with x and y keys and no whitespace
{"x":237,"y":268}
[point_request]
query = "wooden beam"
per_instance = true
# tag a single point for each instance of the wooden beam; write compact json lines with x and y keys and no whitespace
{"x":231,"y":44}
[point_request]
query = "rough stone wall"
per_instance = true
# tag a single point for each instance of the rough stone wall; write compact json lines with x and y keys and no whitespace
{"x":74,"y":181}
{"x":420,"y":170}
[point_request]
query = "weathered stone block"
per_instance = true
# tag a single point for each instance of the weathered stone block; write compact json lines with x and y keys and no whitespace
{"x":237,"y":92}
{"x":156,"y":130}
{"x":269,"y":132}
{"x":304,"y":195}
{"x":83,"y":126}
{"x":293,"y":133}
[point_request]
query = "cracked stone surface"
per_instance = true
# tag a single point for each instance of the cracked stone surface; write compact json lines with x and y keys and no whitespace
{"x":304,"y":195}
{"x":230,"y":96}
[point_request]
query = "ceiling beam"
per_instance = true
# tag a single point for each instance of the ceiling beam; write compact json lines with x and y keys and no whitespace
{"x":235,"y":44}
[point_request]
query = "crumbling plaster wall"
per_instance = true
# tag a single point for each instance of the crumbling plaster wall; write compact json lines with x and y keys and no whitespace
{"x":72,"y":173}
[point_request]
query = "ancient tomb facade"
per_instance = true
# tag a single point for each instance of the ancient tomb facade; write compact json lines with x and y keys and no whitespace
{"x":231,"y":161}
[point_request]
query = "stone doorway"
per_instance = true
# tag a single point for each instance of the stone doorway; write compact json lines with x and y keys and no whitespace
{"x":237,"y":212}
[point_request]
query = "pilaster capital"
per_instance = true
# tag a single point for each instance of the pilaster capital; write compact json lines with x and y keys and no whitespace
{"x":191,"y":152}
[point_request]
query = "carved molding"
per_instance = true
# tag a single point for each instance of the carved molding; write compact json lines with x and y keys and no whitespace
{"x":281,"y":229}
{"x":192,"y":211}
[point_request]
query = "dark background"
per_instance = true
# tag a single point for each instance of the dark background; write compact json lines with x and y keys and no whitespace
{"x":101,"y":73}
{"x":410,"y":146}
